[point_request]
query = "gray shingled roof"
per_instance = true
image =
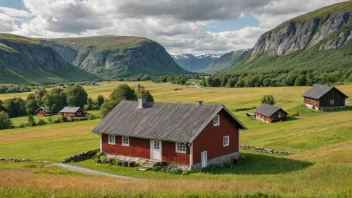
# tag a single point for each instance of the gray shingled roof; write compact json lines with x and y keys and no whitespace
{"x":45,"y":109}
{"x":267,"y":110}
{"x":160,"y":121}
{"x":318,"y":91}
{"x":69,"y":110}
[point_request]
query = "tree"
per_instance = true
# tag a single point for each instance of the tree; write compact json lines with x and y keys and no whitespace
{"x":31,"y":107}
{"x":142,"y":93}
{"x":10,"y":107}
{"x":76,"y":96}
{"x":55,"y":100}
{"x":300,"y":80}
{"x":123,"y":92}
{"x":5,"y":121}
{"x":31,"y":121}
{"x":268,"y":99}
{"x":100,"y":100}
{"x":90,"y":103}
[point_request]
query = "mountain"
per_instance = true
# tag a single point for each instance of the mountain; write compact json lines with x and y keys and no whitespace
{"x":111,"y":57}
{"x":194,"y":63}
{"x":319,"y":40}
{"x":26,"y":60}
{"x":227,"y":60}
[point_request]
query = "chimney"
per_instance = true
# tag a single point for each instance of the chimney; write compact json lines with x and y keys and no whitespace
{"x":141,"y":103}
{"x":199,"y":102}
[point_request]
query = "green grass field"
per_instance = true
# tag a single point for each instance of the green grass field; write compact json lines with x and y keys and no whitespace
{"x":321,"y":165}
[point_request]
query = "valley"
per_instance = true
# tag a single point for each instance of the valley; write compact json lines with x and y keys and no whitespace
{"x":321,"y":146}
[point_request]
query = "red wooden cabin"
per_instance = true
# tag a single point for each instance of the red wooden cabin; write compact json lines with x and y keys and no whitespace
{"x":42,"y":111}
{"x":72,"y":112}
{"x":191,"y":136}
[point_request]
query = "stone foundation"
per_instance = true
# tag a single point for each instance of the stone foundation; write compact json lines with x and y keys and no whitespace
{"x":225,"y":159}
{"x":323,"y":108}
{"x":127,"y":158}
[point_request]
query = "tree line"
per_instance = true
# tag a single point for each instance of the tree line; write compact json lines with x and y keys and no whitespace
{"x":14,"y":89}
{"x":280,"y":79}
{"x":57,"y":98}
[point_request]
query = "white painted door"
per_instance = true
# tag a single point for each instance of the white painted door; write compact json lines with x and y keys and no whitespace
{"x":204,"y":159}
{"x":156,"y":150}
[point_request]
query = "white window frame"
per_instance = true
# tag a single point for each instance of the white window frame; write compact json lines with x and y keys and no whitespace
{"x":218,"y":119}
{"x":125,"y":141}
{"x":181,"y":151}
{"x":112,"y":139}
{"x":279,"y":115}
{"x":228,"y":141}
{"x":332,"y":102}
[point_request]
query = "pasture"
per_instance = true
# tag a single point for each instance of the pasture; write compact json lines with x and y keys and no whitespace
{"x":320,"y":166}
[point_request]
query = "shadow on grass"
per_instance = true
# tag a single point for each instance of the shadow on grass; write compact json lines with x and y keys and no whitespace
{"x":347,"y":108}
{"x":257,"y":164}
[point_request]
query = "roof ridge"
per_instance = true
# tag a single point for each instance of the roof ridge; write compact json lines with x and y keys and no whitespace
{"x":218,"y":105}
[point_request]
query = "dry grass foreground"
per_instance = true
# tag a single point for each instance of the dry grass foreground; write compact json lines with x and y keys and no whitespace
{"x":22,"y":184}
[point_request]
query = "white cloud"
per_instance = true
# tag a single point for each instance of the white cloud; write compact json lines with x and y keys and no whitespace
{"x":14,"y":12}
{"x":7,"y":24}
{"x":177,"y":25}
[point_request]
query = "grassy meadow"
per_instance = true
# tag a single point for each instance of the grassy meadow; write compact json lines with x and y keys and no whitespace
{"x":321,"y":165}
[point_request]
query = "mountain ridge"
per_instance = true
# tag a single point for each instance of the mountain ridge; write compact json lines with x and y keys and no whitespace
{"x":112,"y":57}
{"x":308,"y":42}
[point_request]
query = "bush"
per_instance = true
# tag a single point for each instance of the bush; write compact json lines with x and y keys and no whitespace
{"x":41,"y":122}
{"x":97,"y":161}
{"x":92,"y":117}
{"x":58,"y":120}
{"x":125,"y":163}
{"x":119,"y":162}
{"x":50,"y":120}
{"x":112,"y":161}
{"x":64,"y":119}
{"x":31,"y":121}
{"x":156,"y":168}
{"x":5,"y":122}
{"x":22,"y":126}
{"x":104,"y":159}
{"x":131,"y":164}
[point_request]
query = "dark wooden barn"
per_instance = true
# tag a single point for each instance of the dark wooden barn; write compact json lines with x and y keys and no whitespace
{"x":72,"y":112}
{"x":188,"y":135}
{"x":324,"y":97}
{"x":42,"y":111}
{"x":269,"y":113}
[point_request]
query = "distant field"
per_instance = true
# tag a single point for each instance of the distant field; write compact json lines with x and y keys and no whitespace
{"x":320,"y":167}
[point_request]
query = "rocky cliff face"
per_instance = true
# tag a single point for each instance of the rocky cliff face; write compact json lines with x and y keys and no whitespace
{"x":113,"y":56}
{"x":328,"y":32}
{"x":24,"y":60}
{"x":30,"y":56}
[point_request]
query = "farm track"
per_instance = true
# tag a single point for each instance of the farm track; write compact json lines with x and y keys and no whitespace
{"x":94,"y":172}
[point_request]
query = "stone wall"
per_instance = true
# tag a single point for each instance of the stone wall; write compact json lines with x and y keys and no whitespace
{"x":82,"y":156}
{"x":264,"y":150}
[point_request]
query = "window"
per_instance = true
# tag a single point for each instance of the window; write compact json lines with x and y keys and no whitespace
{"x":111,"y":140}
{"x":157,"y":145}
{"x":180,"y":147}
{"x":332,"y":102}
{"x":226,"y":141}
{"x":279,"y":115}
{"x":125,"y":141}
{"x":216,"y":120}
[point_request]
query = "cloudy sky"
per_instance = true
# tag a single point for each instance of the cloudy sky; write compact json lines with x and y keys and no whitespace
{"x":181,"y":26}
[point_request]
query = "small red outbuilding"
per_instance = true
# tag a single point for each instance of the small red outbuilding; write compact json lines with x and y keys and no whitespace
{"x":189,"y":135}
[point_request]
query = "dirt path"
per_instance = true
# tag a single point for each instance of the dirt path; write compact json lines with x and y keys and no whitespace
{"x":94,"y":172}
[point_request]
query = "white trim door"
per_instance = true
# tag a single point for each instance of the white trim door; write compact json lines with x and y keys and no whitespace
{"x":204,"y":159}
{"x":156,"y":150}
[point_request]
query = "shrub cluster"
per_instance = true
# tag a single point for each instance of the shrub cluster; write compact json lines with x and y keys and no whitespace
{"x":102,"y":159}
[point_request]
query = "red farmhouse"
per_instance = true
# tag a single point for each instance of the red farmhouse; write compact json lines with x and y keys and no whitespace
{"x":42,"y":111}
{"x":190,"y":136}
{"x":72,"y":112}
